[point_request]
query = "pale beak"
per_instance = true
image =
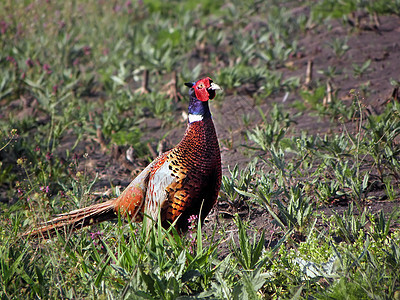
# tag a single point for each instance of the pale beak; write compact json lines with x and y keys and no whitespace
{"x":214,"y":87}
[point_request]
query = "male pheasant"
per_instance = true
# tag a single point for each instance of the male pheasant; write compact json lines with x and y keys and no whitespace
{"x":181,"y":182}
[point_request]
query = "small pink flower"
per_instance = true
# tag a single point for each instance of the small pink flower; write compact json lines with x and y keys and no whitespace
{"x":3,"y":26}
{"x":192,"y":220}
{"x":61,"y":24}
{"x":105,"y":51}
{"x":47,"y":68}
{"x":19,"y":29}
{"x":192,"y":225}
{"x":86,"y":50}
{"x":44,"y":189}
{"x":11,"y":60}
{"x":49,"y":156}
{"x":29,"y":7}
{"x":29,"y":63}
{"x":94,"y":235}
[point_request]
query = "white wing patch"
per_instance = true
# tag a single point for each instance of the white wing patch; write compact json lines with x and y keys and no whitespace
{"x":156,"y":194}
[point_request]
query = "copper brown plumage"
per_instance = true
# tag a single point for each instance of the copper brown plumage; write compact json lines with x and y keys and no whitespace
{"x":182,"y":182}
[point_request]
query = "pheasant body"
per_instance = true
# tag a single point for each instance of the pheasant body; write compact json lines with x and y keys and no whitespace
{"x":192,"y":171}
{"x":179,"y":183}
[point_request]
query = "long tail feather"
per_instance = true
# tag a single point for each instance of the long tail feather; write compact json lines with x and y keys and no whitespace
{"x":75,"y":219}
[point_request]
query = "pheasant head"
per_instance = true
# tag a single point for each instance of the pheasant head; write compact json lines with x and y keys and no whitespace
{"x":200,"y":92}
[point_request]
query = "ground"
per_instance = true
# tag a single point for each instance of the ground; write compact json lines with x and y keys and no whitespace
{"x":379,"y":44}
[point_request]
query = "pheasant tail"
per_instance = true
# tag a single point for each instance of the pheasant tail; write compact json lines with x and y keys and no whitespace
{"x":76,"y":219}
{"x":129,"y":203}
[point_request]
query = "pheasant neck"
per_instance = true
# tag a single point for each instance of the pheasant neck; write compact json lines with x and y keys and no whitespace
{"x":198,"y":110}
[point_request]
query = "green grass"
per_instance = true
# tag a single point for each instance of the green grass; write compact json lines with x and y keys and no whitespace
{"x":70,"y":79}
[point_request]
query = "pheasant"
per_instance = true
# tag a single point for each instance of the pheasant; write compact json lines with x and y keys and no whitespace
{"x":181,"y":182}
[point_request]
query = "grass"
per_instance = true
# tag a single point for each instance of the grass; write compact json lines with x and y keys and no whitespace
{"x":73,"y":87}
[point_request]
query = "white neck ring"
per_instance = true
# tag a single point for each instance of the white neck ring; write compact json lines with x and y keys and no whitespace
{"x":194,"y":118}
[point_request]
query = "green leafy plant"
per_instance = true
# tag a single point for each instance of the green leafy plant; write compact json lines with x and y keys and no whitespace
{"x":339,"y":46}
{"x":359,"y":71}
{"x":270,"y":133}
{"x":237,"y":181}
{"x":349,"y":224}
{"x":249,"y":253}
{"x":381,"y":225}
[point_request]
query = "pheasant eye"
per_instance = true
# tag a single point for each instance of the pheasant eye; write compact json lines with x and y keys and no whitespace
{"x":200,"y":86}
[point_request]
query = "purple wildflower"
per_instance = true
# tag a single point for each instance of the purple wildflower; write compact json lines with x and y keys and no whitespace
{"x":96,"y":236}
{"x":86,"y":50}
{"x":11,"y":60}
{"x":49,"y":156}
{"x":29,"y":62}
{"x":44,"y":189}
{"x":105,"y":51}
{"x":191,"y":228}
{"x":61,"y":24}
{"x":3,"y":26}
{"x":47,"y":68}
{"x":19,"y":29}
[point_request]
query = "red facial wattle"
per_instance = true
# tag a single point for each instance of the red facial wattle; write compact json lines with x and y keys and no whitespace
{"x":200,"y":89}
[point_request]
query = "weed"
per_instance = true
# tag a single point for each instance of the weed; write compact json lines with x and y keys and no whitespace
{"x":349,"y":224}
{"x":270,"y":133}
{"x":359,"y":71}
{"x":234,"y":183}
{"x":380,"y":228}
{"x":339,"y":46}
